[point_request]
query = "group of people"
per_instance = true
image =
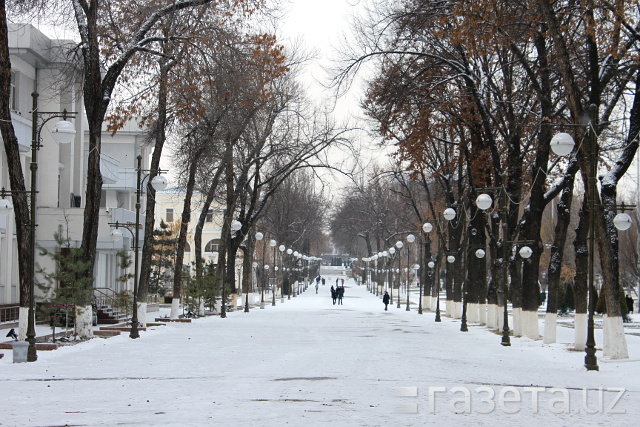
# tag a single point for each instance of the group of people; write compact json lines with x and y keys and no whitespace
{"x":337,"y":293}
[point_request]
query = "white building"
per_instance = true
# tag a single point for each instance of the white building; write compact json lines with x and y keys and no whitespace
{"x":40,"y":64}
{"x":169,"y":206}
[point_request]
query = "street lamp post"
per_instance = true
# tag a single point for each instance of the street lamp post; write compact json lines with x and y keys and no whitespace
{"x":449,"y":214}
{"x":426,"y":228}
{"x":290,"y":253}
{"x":159,"y":183}
{"x":296,"y":257}
{"x":392,"y":250}
{"x":282,"y":248}
{"x":366,"y":271}
{"x":484,"y":202}
{"x":562,"y":144}
{"x":431,"y":266}
{"x":410,"y":239}
{"x":273,"y":244}
{"x":259,"y":237}
{"x":374,"y":289}
{"x":63,"y":133}
{"x":399,"y":245}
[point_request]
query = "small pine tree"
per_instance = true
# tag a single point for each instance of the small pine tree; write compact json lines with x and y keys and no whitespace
{"x":69,"y":286}
{"x":124,"y":300}
{"x":162,"y":259}
{"x":211,"y":285}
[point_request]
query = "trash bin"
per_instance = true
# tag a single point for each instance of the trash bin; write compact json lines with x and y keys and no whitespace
{"x":20,"y":351}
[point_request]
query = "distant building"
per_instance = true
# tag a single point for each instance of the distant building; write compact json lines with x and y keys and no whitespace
{"x":169,"y":206}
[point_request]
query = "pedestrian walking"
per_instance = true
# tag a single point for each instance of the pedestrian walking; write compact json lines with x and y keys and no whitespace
{"x":316,"y":288}
{"x":334,"y":295}
{"x":342,"y":282}
{"x":629,"y":300}
{"x":385,"y":300}
{"x":323,"y":281}
{"x":340,"y":294}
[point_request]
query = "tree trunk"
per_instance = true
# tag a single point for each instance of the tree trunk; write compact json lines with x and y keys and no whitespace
{"x":226,"y":228}
{"x":580,"y":288}
{"x":150,"y":204}
{"x":247,"y":264}
{"x":563,"y":210}
{"x":16,"y":179}
{"x":615,"y":341}
{"x":476,"y":268}
{"x":197,"y":235}
{"x":96,"y":100}
{"x":182,"y":237}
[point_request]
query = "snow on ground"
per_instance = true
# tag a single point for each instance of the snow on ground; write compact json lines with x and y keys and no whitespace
{"x":308,"y":362}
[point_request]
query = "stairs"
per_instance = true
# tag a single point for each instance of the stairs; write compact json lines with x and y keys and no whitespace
{"x":109,"y":316}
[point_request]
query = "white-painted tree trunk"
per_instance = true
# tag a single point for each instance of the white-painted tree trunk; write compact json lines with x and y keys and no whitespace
{"x":448,"y":309}
{"x":530,"y":328}
{"x":201,"y":307}
{"x":482,"y":314}
{"x":517,"y":324}
{"x":580,"y":331}
{"x":604,"y":331}
{"x":491,"y":316}
{"x":142,"y":314}
{"x":500,"y":317}
{"x":550,"y":321}
{"x":426,"y":302}
{"x":84,"y":320}
{"x":615,"y":345}
{"x":472,"y":312}
{"x":23,"y":320}
{"x":457,"y":309}
{"x":175,"y":308}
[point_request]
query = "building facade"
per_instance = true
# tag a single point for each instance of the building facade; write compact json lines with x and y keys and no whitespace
{"x":40,"y":65}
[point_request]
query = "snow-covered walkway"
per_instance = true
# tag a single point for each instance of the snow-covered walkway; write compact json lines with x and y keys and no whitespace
{"x":308,"y":362}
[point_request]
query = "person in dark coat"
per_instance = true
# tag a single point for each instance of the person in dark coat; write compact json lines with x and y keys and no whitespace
{"x":334,"y":295}
{"x":385,"y":300}
{"x":340,"y":292}
{"x":323,"y":281}
{"x":629,"y":304}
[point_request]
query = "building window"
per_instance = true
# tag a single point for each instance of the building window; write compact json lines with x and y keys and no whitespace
{"x":209,"y":216}
{"x":212,"y":246}
{"x":169,"y":215}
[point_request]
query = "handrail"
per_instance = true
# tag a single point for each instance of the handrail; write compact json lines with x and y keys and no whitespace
{"x":9,"y":313}
{"x":104,"y":296}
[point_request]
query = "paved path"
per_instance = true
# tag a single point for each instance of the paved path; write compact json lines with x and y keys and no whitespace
{"x":304,"y":362}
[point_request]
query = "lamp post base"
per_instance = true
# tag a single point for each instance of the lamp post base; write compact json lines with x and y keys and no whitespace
{"x":590,"y":360}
